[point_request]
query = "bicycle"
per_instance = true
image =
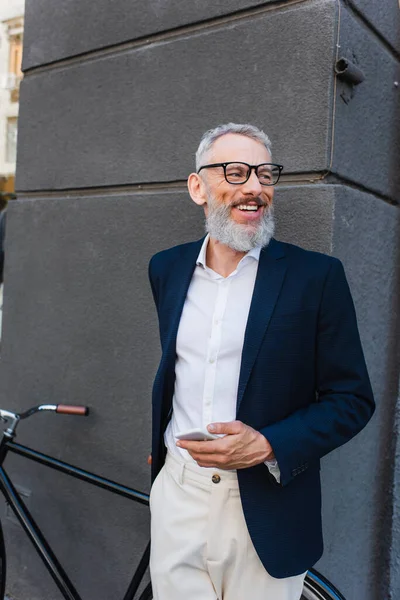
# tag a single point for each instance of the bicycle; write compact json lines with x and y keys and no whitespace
{"x":316,"y":587}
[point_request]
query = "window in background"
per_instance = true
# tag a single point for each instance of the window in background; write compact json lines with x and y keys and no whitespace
{"x":15,"y":56}
{"x":14,"y":76}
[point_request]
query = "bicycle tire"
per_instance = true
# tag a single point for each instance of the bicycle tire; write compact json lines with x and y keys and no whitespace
{"x":3,"y":565}
{"x":317,"y":587}
{"x":147,"y":593}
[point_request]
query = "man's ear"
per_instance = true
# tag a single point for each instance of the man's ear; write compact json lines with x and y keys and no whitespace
{"x":197,"y":189}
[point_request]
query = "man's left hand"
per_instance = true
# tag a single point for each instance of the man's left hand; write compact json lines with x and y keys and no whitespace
{"x":241,"y":447}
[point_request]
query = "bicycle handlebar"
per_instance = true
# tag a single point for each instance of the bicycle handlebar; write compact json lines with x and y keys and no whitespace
{"x":15,"y":418}
{"x":68,"y":409}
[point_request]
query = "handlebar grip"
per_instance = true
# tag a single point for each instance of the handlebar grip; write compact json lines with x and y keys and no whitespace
{"x":69,"y":409}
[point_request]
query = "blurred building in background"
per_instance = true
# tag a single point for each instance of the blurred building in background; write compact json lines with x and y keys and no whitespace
{"x":11,"y":39}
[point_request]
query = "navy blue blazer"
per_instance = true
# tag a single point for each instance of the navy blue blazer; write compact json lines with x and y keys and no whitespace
{"x":303,"y":384}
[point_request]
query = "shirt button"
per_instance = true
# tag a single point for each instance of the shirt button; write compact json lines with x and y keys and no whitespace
{"x":212,"y":360}
{"x":215,"y":478}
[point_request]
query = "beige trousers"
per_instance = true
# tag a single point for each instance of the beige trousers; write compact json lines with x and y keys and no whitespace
{"x":200,"y":546}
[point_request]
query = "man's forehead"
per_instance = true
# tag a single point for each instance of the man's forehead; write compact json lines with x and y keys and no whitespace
{"x":233,"y":146}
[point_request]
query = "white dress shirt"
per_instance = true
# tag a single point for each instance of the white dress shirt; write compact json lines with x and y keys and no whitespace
{"x":209,"y":348}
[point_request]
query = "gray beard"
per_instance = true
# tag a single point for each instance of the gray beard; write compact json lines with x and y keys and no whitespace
{"x":240,"y":237}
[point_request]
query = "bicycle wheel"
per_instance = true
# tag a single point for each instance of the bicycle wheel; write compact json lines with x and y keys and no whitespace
{"x":147,"y":593}
{"x":317,"y":587}
{"x":2,"y":565}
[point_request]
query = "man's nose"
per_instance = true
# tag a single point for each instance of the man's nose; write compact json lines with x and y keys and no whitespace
{"x":252,"y":185}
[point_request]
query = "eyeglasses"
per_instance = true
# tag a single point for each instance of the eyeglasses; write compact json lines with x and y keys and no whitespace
{"x":238,"y":173}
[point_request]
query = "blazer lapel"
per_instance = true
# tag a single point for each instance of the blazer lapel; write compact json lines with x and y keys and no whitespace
{"x":178,"y":287}
{"x":270,"y":276}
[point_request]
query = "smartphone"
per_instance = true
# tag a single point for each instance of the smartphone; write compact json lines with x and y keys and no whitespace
{"x":196,"y":435}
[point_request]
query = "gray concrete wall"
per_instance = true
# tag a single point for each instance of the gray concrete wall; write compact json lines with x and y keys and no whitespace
{"x":358,"y":478}
{"x":113,"y":103}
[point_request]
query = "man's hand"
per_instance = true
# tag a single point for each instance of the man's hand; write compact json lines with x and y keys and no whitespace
{"x":241,"y":447}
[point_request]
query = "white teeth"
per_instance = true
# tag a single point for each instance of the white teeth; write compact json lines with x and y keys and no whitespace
{"x":247,"y":207}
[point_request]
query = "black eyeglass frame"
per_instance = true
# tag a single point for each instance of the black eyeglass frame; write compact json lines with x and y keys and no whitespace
{"x":251,"y":167}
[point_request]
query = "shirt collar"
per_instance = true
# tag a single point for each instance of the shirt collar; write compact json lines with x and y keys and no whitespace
{"x":201,"y":259}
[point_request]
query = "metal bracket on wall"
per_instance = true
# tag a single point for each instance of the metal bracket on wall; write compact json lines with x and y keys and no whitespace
{"x":351,"y":75}
{"x":348,"y":71}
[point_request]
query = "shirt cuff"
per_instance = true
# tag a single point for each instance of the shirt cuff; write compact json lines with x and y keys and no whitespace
{"x":273,"y":468}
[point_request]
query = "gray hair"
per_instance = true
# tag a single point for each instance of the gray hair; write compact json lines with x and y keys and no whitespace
{"x":210,"y":136}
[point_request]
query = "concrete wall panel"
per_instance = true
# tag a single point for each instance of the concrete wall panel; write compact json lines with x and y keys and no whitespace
{"x":88,"y":318}
{"x":297,"y":207}
{"x":357,"y":479}
{"x":367,"y":116}
{"x":138,"y":116}
{"x":384,"y":16}
{"x":80,"y":328}
{"x":85,"y":26}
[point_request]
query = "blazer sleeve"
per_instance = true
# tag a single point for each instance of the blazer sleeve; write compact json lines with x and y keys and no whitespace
{"x":344,"y":399}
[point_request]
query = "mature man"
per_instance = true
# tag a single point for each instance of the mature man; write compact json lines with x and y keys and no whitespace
{"x":259,"y":343}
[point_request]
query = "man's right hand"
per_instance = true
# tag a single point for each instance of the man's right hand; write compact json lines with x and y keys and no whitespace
{"x":149,"y":459}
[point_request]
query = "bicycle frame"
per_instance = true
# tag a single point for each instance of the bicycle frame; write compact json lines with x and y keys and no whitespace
{"x":34,"y":533}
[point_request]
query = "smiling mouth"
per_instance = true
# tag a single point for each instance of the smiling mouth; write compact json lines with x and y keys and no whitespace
{"x":248,"y":207}
{"x":251,"y":206}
